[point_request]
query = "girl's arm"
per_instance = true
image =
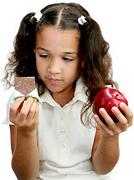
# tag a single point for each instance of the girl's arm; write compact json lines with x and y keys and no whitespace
{"x":25,"y":160}
{"x":105,"y":153}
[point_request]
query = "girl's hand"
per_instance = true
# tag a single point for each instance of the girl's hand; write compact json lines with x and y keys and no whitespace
{"x":25,"y":114}
{"x":112,"y":129}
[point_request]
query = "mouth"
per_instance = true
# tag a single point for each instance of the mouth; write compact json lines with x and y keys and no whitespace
{"x":53,"y":80}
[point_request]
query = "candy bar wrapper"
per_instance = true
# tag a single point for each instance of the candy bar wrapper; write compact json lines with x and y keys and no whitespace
{"x":16,"y":94}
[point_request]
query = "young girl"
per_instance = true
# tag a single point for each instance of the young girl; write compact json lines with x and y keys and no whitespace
{"x":68,"y":56}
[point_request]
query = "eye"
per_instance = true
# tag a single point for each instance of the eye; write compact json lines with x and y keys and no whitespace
{"x":67,"y":59}
{"x":44,"y":56}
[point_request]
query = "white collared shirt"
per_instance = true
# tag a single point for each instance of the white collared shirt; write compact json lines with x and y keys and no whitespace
{"x":65,"y":144}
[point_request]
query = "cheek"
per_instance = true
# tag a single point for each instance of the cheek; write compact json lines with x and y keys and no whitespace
{"x":40,"y":68}
{"x":73,"y":71}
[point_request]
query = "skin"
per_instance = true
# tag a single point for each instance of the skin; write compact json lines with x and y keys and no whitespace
{"x":58,"y":65}
{"x":57,"y":62}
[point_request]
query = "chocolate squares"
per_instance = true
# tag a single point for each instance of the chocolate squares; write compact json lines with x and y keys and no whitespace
{"x":25,"y":84}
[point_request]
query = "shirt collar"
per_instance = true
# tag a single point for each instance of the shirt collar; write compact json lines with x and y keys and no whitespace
{"x":79,"y":95}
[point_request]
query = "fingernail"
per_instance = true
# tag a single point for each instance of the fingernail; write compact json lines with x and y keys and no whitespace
{"x":30,"y":98}
{"x":114,"y":108}
{"x":101,"y":110}
{"x":122,"y":104}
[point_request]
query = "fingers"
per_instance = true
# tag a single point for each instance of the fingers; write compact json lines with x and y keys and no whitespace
{"x":123,"y":122}
{"x":36,"y":114}
{"x":105,"y":130}
{"x":33,"y":112}
{"x":15,"y":108}
{"x":113,"y":128}
{"x":128,"y":113}
{"x":25,"y":109}
{"x":24,"y":114}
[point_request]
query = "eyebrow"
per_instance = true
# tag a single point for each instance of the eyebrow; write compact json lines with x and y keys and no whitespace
{"x":66,"y":52}
{"x":42,"y":49}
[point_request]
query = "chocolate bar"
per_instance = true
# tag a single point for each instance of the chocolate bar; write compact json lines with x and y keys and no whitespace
{"x":25,"y":84}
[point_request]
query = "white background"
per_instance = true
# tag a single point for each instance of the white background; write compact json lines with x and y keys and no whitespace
{"x":116,"y":19}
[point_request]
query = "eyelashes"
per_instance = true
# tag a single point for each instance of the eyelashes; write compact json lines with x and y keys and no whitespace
{"x":67,"y":59}
{"x":45,"y":56}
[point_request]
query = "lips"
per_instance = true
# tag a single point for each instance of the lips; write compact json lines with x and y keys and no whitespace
{"x":53,"y":80}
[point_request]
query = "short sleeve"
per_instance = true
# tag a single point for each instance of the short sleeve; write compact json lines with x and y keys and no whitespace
{"x":7,"y":117}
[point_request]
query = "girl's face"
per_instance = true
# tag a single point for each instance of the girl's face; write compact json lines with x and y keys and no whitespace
{"x":57,"y":60}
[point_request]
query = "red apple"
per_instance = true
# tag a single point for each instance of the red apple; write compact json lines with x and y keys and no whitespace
{"x":107,"y":98}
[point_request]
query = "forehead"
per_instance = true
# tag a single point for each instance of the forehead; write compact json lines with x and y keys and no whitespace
{"x":52,"y":36}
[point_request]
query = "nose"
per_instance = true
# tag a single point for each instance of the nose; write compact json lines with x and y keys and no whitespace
{"x":54,"y":66}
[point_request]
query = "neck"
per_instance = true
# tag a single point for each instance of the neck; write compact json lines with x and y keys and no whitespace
{"x":65,"y":97}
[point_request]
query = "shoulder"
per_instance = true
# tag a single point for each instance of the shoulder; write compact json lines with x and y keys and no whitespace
{"x":80,"y":91}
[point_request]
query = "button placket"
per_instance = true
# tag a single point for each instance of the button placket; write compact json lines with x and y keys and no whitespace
{"x":63,"y":145}
{"x":63,"y":116}
{"x":63,"y":130}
